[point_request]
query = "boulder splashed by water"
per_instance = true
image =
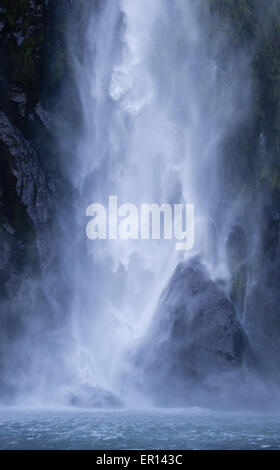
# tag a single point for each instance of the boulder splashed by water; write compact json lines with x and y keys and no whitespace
{"x":196,"y":348}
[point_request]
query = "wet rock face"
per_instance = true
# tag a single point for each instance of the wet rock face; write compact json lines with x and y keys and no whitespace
{"x":33,"y":297}
{"x":263,"y":299}
{"x":23,"y":163}
{"x":22,"y":181}
{"x":25,"y":228}
{"x":196,"y":338}
{"x":237,"y":257}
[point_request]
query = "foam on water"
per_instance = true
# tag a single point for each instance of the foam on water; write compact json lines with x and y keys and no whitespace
{"x":192,"y":428}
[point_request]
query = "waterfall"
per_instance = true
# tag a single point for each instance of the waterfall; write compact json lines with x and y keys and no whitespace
{"x":156,"y":105}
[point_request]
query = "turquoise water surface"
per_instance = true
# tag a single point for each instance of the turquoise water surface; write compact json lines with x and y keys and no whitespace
{"x":142,"y":429}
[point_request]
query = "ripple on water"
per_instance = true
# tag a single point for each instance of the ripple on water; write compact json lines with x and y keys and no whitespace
{"x":146,"y":429}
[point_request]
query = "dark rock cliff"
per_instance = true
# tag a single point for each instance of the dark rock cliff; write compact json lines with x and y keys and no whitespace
{"x":251,"y":170}
{"x":33,"y":61}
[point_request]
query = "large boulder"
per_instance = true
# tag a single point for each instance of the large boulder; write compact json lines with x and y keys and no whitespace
{"x":196,"y":348}
{"x":87,"y":396}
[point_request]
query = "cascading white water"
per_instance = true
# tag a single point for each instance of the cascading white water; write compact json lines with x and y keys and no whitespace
{"x":155,"y":112}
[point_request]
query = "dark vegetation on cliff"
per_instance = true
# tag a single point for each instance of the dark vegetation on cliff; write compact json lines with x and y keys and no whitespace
{"x":251,"y":168}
